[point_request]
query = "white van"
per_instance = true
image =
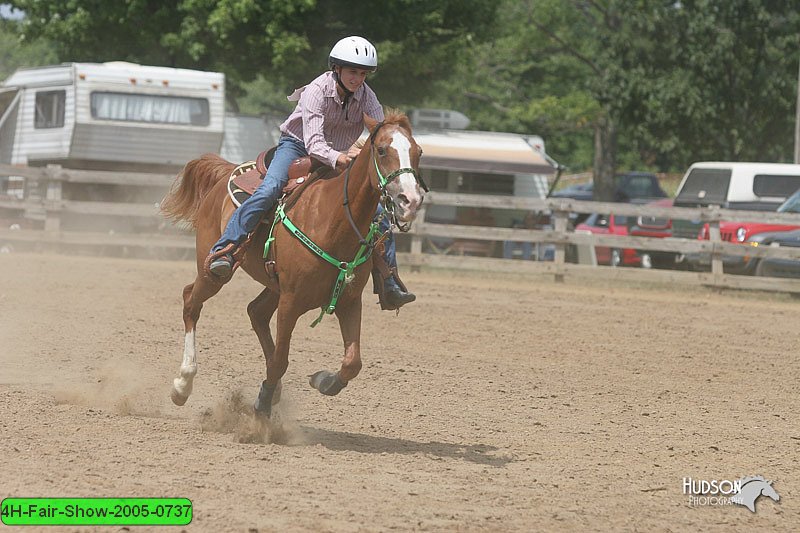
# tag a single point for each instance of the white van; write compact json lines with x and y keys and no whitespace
{"x":745,"y":186}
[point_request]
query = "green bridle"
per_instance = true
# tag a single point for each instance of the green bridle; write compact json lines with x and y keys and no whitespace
{"x":383,"y":182}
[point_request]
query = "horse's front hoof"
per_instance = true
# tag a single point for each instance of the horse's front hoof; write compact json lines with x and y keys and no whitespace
{"x":328,"y":383}
{"x":177,"y":398}
{"x":268,"y":396}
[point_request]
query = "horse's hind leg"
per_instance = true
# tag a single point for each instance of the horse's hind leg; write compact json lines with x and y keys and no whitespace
{"x":260,"y":311}
{"x":329,"y":383}
{"x":194,"y":295}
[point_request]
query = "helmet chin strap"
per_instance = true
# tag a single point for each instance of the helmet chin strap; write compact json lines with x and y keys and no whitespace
{"x":347,"y":92}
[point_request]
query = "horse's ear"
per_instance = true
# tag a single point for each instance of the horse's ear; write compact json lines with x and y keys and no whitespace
{"x":370,"y":122}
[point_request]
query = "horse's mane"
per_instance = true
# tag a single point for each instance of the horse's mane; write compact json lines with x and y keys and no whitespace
{"x":395,"y":116}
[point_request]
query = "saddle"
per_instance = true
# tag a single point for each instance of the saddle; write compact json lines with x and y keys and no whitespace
{"x":246,"y":178}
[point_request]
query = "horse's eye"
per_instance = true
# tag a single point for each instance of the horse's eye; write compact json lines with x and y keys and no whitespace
{"x":381,"y":151}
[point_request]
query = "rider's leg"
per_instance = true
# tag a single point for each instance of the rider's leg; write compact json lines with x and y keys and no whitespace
{"x":246,"y":218}
{"x":395,"y":295}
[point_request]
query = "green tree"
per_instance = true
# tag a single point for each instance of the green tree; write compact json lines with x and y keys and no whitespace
{"x":713,"y":80}
{"x":681,"y":81}
{"x":523,"y":82}
{"x":584,"y":31}
{"x":15,"y":54}
{"x":285,"y":41}
{"x":649,"y":83}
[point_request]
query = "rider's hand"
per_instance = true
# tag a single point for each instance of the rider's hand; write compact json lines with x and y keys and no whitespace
{"x":353,"y":152}
{"x":342,"y":161}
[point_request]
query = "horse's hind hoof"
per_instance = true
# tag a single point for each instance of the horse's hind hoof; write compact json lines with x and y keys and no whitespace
{"x":328,"y":383}
{"x":177,"y":399}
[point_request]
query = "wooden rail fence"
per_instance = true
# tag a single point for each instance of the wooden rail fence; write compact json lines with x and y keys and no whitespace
{"x":53,"y":206}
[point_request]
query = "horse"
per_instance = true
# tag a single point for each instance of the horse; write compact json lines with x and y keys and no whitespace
{"x":335,"y":214}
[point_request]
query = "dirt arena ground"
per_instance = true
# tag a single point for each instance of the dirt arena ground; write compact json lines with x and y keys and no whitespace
{"x":506,"y":404}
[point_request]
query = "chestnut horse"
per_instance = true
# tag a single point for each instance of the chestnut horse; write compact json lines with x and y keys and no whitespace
{"x":385,"y":170}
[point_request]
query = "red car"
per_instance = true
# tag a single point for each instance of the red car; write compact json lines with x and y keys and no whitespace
{"x":610,"y":225}
{"x":657,"y":228}
{"x":749,"y":233}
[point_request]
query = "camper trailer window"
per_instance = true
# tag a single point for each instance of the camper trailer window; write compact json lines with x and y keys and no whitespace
{"x":482,"y":183}
{"x":150,"y":108}
{"x":50,"y":109}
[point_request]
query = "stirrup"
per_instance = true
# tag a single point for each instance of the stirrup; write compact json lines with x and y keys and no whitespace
{"x":228,"y":254}
{"x":222,"y":267}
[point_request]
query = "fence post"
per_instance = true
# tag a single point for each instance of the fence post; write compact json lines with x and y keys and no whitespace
{"x":560,"y":226}
{"x":715,"y":238}
{"x":52,"y":221}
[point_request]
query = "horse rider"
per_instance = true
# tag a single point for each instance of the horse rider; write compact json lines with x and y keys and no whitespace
{"x":326,"y":122}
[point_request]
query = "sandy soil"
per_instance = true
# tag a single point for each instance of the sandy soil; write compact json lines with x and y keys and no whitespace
{"x":506,"y":404}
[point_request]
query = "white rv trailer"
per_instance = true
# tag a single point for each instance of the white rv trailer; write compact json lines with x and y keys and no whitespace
{"x":110,"y":116}
{"x":480,"y":162}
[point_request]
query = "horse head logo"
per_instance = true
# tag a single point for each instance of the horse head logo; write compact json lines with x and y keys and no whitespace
{"x":752,"y":488}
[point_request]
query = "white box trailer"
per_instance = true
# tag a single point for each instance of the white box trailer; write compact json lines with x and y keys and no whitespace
{"x":110,"y":116}
{"x":481,"y":162}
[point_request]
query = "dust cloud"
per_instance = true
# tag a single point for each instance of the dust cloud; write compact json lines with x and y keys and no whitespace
{"x":121,"y":387}
{"x":234,"y":414}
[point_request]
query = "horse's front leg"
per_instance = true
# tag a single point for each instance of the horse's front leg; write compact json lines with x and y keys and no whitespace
{"x":278,"y":361}
{"x":349,"y":315}
{"x":260,"y":311}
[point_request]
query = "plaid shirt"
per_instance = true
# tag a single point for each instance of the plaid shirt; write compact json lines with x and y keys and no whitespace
{"x":320,"y":122}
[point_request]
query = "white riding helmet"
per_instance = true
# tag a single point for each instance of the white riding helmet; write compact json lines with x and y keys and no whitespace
{"x":354,"y":52}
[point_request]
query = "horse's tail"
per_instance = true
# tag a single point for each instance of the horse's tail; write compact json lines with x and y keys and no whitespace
{"x":192,"y":184}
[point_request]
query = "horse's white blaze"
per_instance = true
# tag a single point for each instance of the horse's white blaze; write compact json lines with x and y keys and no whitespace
{"x":406,"y":180}
{"x":183,"y":384}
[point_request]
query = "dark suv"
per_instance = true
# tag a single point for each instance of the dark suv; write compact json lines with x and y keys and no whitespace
{"x":628,"y":187}
{"x":634,"y":187}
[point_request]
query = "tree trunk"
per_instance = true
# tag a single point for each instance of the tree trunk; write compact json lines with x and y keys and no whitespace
{"x":605,"y":159}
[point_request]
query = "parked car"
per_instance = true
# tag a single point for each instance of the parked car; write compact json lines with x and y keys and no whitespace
{"x":581,"y":191}
{"x":635,"y":187}
{"x":751,"y":234}
{"x":629,"y":186}
{"x":657,"y":228}
{"x":778,"y":267}
{"x":610,"y":225}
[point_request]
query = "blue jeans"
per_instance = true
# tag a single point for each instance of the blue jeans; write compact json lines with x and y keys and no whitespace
{"x":247,"y":217}
{"x":389,"y":254}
